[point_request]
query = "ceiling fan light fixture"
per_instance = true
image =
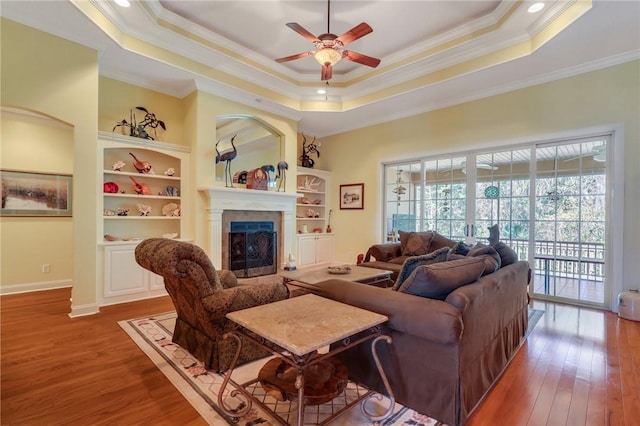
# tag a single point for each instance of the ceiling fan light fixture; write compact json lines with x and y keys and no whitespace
{"x":327,"y":56}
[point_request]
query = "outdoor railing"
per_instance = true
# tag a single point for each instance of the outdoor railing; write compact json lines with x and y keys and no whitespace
{"x":564,"y":259}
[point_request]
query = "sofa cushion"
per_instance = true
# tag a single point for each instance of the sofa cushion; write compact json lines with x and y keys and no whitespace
{"x":415,"y":243}
{"x":413,"y":262}
{"x":490,"y":257}
{"x":506,"y":253}
{"x":437,"y":280}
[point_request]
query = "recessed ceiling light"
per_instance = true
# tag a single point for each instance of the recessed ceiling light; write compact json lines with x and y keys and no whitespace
{"x":536,"y":7}
{"x":321,"y":91}
{"x":123,"y":3}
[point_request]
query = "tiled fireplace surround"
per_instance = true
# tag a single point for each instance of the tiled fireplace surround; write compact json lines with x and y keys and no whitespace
{"x":238,"y":204}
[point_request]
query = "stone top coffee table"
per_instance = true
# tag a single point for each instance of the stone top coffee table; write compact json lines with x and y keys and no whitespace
{"x":294,"y":330}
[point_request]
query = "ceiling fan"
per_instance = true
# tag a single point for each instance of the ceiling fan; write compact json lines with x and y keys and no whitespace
{"x":598,"y":153}
{"x":330,"y":48}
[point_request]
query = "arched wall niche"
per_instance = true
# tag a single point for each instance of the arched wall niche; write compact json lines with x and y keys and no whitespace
{"x":36,"y":142}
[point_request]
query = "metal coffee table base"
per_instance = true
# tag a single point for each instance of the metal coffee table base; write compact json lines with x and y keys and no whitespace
{"x":300,"y":363}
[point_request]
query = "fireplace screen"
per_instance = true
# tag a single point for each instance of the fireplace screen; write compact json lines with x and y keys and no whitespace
{"x":252,"y":249}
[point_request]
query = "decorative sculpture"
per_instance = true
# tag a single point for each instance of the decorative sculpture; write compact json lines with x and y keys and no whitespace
{"x":110,"y":187}
{"x":282,"y":174}
{"x":118,"y":165}
{"x":305,"y":158}
{"x":144,"y":209}
{"x":228,"y":157}
{"x":139,"y":130}
{"x":170,"y":171}
{"x":268,"y":168}
{"x":140,"y":188}
{"x":141,"y":166}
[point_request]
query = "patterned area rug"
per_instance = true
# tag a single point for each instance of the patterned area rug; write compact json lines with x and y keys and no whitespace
{"x":200,"y":387}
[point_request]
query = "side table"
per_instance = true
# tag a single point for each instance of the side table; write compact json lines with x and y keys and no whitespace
{"x":294,"y":330}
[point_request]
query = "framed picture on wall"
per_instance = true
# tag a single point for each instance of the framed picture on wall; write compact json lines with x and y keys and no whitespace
{"x":35,"y":194}
{"x":352,"y":196}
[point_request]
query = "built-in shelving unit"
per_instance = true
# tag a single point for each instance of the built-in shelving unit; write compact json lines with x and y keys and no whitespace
{"x":315,"y":245}
{"x":166,"y":197}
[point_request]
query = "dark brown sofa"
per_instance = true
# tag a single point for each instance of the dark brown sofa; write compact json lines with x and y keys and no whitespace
{"x":446,"y":354}
{"x":391,"y":256}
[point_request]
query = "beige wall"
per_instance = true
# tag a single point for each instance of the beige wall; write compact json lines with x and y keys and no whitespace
{"x":60,"y":79}
{"x":596,"y":99}
{"x":116,"y":99}
{"x":35,"y":143}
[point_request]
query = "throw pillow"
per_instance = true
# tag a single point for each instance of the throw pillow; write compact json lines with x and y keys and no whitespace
{"x":494,"y":234}
{"x":436,"y":281}
{"x":460,"y":248}
{"x":490,"y":257}
{"x":507,"y":254}
{"x":417,"y":244}
{"x":439,"y":241}
{"x":413,"y":262}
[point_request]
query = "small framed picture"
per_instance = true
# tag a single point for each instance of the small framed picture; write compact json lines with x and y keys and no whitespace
{"x":35,"y":194}
{"x":352,"y":196}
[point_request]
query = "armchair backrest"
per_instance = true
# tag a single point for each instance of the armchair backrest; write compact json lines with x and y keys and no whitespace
{"x":185,"y":267}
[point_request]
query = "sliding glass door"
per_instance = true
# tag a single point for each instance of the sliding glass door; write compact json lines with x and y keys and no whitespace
{"x":548,"y":201}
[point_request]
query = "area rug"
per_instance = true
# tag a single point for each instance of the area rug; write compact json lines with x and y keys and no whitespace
{"x":200,"y":387}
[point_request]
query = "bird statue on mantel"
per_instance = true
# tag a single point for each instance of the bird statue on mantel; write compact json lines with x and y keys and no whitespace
{"x":228,"y":157}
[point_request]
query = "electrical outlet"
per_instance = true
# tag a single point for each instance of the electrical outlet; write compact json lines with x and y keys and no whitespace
{"x":45,"y":268}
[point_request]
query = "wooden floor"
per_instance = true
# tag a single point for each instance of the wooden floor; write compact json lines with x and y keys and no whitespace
{"x":578,"y":367}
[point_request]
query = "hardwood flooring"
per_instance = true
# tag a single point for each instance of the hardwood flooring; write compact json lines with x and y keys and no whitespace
{"x":578,"y":367}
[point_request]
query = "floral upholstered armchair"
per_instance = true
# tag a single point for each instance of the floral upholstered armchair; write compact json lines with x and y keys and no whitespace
{"x":202,"y":297}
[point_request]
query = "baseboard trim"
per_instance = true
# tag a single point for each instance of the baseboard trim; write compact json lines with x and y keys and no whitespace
{"x":30,"y":287}
{"x":84,"y":310}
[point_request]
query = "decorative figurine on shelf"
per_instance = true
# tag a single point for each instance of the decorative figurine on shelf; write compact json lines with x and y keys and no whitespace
{"x":110,"y":187}
{"x":144,"y":209}
{"x":312,"y":213}
{"x":227,"y":156}
{"x":123,"y":212}
{"x":282,"y":175}
{"x":139,"y":130}
{"x":310,"y":184}
{"x":171,"y":209}
{"x":170,"y":171}
{"x":305,"y":158}
{"x":172,"y":191}
{"x":329,"y":222}
{"x":268,"y":168}
{"x":141,"y":188}
{"x":118,"y":165}
{"x":141,"y":166}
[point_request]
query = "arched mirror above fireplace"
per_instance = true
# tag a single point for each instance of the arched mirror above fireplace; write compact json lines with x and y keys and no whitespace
{"x":255,"y":144}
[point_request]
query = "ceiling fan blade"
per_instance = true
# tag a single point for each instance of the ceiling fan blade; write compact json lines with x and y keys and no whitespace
{"x":327,"y":71}
{"x":355,"y":33}
{"x":303,"y":32}
{"x":362,"y":59}
{"x":485,"y":166}
{"x":292,"y":57}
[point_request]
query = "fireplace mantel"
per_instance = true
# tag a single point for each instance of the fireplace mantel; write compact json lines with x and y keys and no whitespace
{"x":222,"y":198}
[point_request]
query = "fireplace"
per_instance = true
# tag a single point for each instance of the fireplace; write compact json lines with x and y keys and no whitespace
{"x":226,"y":205}
{"x":253,"y":249}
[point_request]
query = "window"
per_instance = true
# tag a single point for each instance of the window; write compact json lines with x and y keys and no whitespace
{"x":549,"y":201}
